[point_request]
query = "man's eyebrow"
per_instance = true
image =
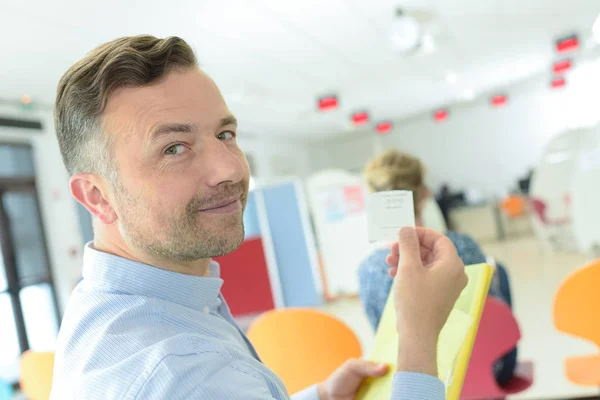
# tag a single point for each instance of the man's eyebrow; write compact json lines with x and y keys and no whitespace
{"x":228,"y":120}
{"x":177,"y":127}
{"x":171,"y":127}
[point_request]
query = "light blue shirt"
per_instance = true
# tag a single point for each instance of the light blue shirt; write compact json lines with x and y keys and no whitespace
{"x":133,"y":331}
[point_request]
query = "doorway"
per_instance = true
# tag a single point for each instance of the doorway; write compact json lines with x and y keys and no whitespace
{"x":29,"y":316}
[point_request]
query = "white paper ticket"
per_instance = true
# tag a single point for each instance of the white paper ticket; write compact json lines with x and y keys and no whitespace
{"x":388,"y":212}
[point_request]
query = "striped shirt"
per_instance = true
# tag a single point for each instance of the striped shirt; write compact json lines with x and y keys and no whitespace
{"x":133,"y":331}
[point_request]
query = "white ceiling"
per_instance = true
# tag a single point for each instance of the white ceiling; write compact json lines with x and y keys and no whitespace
{"x":273,"y":58}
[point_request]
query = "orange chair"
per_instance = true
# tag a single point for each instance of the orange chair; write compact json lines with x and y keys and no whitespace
{"x":514,"y":206}
{"x":36,"y":374}
{"x":302,"y":346}
{"x":576,"y":306}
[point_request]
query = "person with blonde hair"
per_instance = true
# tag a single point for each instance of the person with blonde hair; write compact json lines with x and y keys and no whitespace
{"x":395,"y":170}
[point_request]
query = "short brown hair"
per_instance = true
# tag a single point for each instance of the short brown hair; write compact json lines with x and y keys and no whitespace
{"x":394,"y":170}
{"x":84,"y":89}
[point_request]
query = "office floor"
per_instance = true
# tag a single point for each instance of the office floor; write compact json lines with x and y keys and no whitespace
{"x":535,"y":275}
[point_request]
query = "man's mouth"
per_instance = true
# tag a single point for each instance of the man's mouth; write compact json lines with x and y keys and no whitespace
{"x":226,"y":206}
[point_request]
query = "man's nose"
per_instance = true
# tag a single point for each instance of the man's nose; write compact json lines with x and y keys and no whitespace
{"x":220,"y":164}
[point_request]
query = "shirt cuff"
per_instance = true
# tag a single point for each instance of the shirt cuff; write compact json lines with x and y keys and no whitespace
{"x":407,"y":386}
{"x":310,"y":393}
{"x":415,"y":386}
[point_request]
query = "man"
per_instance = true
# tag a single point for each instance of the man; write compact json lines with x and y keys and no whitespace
{"x":151,"y":149}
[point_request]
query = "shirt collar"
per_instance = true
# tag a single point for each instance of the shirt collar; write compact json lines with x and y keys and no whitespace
{"x":106,"y":271}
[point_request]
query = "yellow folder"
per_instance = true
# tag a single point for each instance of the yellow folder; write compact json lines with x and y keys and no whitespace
{"x":454,"y":345}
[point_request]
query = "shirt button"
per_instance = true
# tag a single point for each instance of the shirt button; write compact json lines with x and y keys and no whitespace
{"x":206,"y":309}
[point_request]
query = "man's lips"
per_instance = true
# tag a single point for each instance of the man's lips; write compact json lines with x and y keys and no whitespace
{"x":226,"y":206}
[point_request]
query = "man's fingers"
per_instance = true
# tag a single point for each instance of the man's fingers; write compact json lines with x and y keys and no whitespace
{"x":408,"y":245}
{"x":465,"y":281}
{"x":429,"y":245}
{"x":366,"y":368}
{"x":392,"y":260}
{"x":392,"y":272}
{"x":428,"y":237}
{"x":394,"y":249}
{"x":425,"y":255}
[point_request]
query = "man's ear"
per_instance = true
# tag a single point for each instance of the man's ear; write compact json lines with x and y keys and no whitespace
{"x":90,"y":191}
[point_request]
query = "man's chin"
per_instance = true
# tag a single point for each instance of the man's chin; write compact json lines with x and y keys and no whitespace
{"x":229,"y":243}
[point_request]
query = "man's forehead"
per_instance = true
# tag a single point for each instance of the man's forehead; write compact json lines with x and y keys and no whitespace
{"x":183,"y":96}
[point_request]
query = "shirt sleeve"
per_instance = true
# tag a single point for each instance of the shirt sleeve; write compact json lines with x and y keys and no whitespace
{"x":407,"y":386}
{"x":415,"y":386}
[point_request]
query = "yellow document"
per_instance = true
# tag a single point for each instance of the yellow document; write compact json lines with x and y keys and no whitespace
{"x":454,"y":345}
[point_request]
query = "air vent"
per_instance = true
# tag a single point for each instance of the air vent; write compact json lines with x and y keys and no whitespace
{"x":21,"y":123}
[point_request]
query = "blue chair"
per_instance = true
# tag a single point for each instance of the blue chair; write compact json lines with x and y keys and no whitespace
{"x":6,"y":391}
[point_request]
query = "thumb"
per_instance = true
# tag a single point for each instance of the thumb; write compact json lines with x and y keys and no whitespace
{"x":408,"y":244}
{"x":366,"y":368}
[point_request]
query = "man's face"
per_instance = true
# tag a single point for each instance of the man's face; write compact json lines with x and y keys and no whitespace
{"x":183,"y":181}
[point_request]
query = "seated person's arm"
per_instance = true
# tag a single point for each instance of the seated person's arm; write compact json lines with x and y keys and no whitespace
{"x":471,"y":253}
{"x":374,"y":284}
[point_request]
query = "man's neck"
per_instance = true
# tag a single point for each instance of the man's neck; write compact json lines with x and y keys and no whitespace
{"x":119,"y":248}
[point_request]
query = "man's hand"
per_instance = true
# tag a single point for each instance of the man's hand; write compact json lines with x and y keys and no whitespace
{"x":346,"y":380}
{"x":429,"y":276}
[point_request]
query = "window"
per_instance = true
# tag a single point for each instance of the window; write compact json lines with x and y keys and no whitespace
{"x":28,"y":308}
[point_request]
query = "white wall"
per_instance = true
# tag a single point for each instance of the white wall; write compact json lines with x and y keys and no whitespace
{"x":59,"y":215}
{"x":276,"y":159}
{"x":478,"y":146}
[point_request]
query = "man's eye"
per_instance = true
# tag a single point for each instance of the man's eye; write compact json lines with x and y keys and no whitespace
{"x":227,"y":135}
{"x":175,"y":150}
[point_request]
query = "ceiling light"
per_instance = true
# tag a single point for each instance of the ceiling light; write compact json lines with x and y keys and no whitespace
{"x":405,"y":32}
{"x":562,"y":67}
{"x":360,"y":118}
{"x":451,"y":78}
{"x":567,"y":44}
{"x":468,"y":95}
{"x":428,"y":44}
{"x":440,"y":115}
{"x":327,"y":103}
{"x":596,"y":29}
{"x":499,"y":100}
{"x":384,"y":127}
{"x":558,"y":83}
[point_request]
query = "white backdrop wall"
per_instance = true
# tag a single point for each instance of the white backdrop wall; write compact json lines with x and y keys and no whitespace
{"x":275,"y":159}
{"x":479,"y":146}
